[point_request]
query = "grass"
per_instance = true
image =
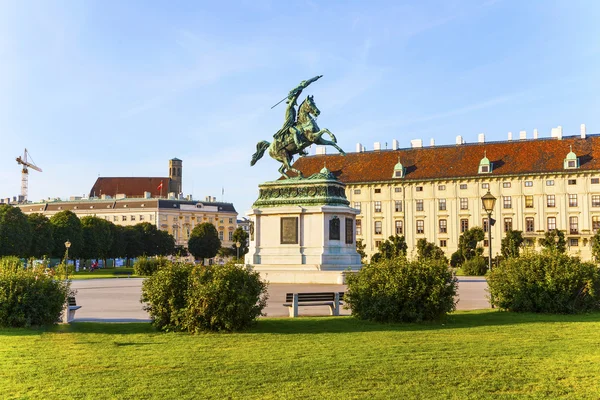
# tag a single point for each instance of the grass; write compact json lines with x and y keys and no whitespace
{"x":121,"y":272}
{"x":472,"y":355}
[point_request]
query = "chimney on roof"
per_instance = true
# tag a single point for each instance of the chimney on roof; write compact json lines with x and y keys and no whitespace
{"x":557,"y":132}
{"x":509,"y":136}
{"x":432,"y":142}
{"x":376,"y":146}
{"x":459,"y":140}
{"x":395,"y":144}
{"x":522,"y":135}
{"x":582,"y":131}
{"x":535,"y":133}
{"x":416,"y":143}
{"x":481,"y":138}
{"x":147,"y":195}
{"x":321,"y":150}
{"x":358,"y":147}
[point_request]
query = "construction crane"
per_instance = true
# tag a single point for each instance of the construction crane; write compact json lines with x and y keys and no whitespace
{"x":25,"y":173}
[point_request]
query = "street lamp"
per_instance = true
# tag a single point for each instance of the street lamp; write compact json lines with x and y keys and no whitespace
{"x":488,"y":201}
{"x":237,"y":247}
{"x":67,"y":245}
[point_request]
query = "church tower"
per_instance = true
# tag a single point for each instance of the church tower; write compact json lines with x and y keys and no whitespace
{"x":175,"y":180}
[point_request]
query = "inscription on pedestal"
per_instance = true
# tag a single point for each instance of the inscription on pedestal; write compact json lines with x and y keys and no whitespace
{"x":349,"y":231}
{"x":289,"y":230}
{"x":334,"y":228}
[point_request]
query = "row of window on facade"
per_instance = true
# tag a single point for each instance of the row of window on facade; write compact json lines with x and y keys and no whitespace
{"x":131,"y":217}
{"x":186,"y":218}
{"x":464,"y":225}
{"x":443,"y":243}
{"x":464,"y":203}
{"x":464,"y":186}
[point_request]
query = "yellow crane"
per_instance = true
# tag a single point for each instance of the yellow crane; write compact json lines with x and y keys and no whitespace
{"x":25,"y":173}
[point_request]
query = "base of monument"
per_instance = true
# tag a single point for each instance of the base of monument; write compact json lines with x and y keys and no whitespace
{"x":302,"y":273}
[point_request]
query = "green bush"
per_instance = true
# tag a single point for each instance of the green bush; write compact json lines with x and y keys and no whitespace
{"x":29,"y":297}
{"x":399,"y":290}
{"x":145,"y":266}
{"x":165,"y":295}
{"x":224,"y":298}
{"x":475,"y":266}
{"x":184,"y":297}
{"x":547,"y":282}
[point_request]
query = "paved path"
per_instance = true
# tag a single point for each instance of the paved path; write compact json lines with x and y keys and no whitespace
{"x":118,"y":300}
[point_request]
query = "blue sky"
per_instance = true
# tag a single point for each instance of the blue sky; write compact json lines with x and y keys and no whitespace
{"x":117,"y":88}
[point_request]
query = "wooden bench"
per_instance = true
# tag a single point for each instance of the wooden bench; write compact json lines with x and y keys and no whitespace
{"x":71,"y":308}
{"x":331,"y":299}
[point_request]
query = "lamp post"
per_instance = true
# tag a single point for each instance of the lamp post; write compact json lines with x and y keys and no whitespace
{"x":488,"y":201}
{"x":67,"y":245}
{"x":237,"y":247}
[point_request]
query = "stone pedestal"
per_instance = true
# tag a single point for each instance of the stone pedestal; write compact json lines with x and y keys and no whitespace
{"x":303,"y":231}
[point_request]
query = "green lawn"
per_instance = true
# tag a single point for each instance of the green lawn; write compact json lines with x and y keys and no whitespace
{"x":121,"y":272}
{"x":483,"y":354}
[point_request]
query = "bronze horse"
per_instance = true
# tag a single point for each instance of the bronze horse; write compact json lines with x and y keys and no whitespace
{"x":307,"y":132}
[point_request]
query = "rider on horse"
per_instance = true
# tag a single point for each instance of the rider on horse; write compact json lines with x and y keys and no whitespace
{"x":290,"y":115}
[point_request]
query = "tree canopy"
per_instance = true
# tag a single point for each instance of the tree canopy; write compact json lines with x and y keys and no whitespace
{"x":42,"y":239}
{"x":554,"y":240}
{"x":511,"y":244}
{"x":204,"y":241}
{"x":15,"y":232}
{"x":97,"y":237}
{"x":393,"y":247}
{"x":241,"y":236}
{"x":429,"y":251}
{"x":66,"y":226}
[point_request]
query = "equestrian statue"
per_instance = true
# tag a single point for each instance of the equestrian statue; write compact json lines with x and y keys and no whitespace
{"x":297,"y":133}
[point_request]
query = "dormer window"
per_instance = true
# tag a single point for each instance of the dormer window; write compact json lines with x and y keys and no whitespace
{"x":485,"y":166}
{"x":399,"y":170}
{"x":571,"y":162}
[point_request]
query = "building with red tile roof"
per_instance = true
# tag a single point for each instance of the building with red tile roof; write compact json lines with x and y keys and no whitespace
{"x":435,"y":192}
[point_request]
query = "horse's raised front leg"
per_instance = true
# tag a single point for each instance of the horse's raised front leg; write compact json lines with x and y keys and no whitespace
{"x":331,"y":135}
{"x":320,"y":141}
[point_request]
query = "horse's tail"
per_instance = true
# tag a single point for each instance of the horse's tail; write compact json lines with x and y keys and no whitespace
{"x":260,"y":150}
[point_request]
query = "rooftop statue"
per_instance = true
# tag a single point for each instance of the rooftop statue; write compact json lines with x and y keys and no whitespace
{"x":298,"y":132}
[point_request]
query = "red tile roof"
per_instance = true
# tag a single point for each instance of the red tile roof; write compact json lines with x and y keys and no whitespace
{"x":131,"y":187}
{"x":537,"y":156}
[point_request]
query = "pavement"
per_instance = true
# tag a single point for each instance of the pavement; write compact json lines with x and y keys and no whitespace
{"x":118,"y":299}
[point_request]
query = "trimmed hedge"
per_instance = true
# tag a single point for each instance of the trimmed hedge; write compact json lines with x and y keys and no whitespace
{"x":475,"y":266}
{"x":29,"y":297}
{"x":547,"y":282}
{"x":398,"y":290}
{"x":196,"y":298}
{"x":145,"y":266}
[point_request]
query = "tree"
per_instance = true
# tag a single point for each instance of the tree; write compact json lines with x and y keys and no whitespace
{"x":393,"y":247}
{"x":97,"y":237}
{"x":118,"y":248}
{"x":42,"y":239}
{"x":15,"y":232}
{"x":134,"y":247}
{"x":360,"y":249}
{"x":554,"y":240}
{"x":511,"y":244}
{"x":241,"y":236}
{"x":149,"y":238}
{"x":596,"y":246}
{"x":204,"y":241}
{"x":66,"y":226}
{"x":429,"y":251}
{"x":467,"y":243}
{"x":165,"y":244}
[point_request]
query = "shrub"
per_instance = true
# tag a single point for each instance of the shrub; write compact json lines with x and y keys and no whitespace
{"x":398,"y":290}
{"x":184,"y":297}
{"x":476,"y":266}
{"x":547,"y":282}
{"x":224,"y":298}
{"x":145,"y":266}
{"x":29,"y":297}
{"x":165,"y":295}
